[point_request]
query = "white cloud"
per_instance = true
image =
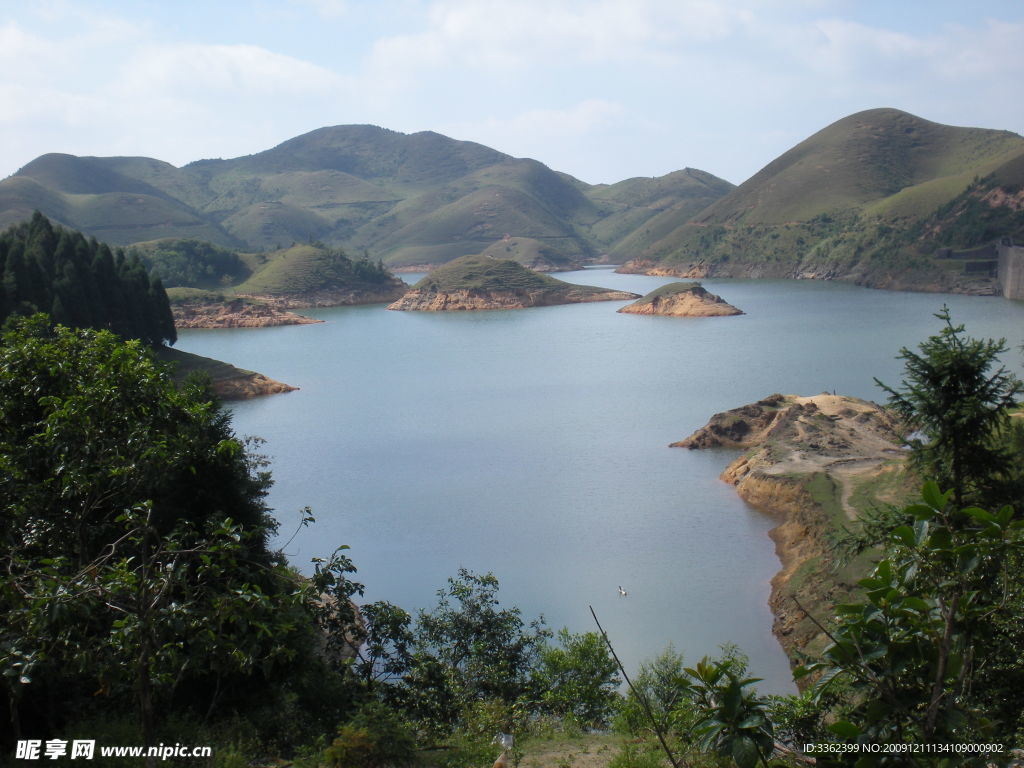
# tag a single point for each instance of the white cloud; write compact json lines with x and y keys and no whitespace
{"x":327,"y":9}
{"x":536,"y":127}
{"x":508,"y":35}
{"x":243,"y":70}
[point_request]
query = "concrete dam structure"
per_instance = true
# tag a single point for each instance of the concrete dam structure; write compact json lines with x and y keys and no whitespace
{"x":1011,"y":271}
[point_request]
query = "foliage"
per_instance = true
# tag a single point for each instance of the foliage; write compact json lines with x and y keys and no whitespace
{"x":733,"y":719}
{"x":911,"y":650}
{"x":578,"y":679}
{"x":956,"y":404}
{"x":374,"y":737}
{"x":134,"y":545}
{"x":385,"y":653}
{"x":193,"y":263}
{"x":81,"y":283}
{"x":468,"y":650}
{"x":662,"y":682}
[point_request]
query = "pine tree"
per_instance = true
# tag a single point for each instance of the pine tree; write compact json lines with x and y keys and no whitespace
{"x":956,"y":404}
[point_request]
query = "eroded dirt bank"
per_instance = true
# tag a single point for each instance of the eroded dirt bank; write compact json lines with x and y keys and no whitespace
{"x":812,"y":463}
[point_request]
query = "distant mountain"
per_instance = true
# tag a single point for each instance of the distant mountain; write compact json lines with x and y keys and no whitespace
{"x":411,"y":200}
{"x":881,"y":197}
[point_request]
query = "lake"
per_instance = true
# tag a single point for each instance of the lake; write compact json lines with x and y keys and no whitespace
{"x":533,"y":444}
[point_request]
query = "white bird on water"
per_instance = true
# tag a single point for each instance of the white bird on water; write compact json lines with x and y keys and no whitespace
{"x":622,"y":592}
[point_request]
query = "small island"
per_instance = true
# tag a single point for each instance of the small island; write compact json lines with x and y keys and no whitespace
{"x":481,"y":283}
{"x":682,"y":300}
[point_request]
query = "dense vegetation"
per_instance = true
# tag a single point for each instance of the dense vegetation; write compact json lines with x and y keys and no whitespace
{"x":193,"y":263}
{"x":80,"y":283}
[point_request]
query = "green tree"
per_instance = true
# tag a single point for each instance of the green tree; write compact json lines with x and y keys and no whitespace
{"x":732,"y":718}
{"x":915,"y":647}
{"x":955,"y":401}
{"x":578,"y":678}
{"x":133,"y":540}
{"x":468,"y":650}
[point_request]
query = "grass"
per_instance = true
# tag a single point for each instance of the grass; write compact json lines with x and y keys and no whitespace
{"x":481,"y":274}
{"x":670,"y":289}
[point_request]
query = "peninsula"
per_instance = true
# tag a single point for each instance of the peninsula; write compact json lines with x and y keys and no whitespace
{"x":481,"y":283}
{"x":682,"y":300}
{"x":814,"y":463}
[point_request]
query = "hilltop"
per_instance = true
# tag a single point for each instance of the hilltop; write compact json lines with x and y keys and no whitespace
{"x":881,"y":197}
{"x":413,"y":200}
{"x":480,"y":282}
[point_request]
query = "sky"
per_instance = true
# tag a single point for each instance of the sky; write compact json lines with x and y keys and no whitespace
{"x":601,"y":89}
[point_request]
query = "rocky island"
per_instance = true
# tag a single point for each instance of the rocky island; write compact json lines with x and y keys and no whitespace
{"x":481,"y":283}
{"x":682,"y":300}
{"x":235,"y":313}
{"x":815,"y":463}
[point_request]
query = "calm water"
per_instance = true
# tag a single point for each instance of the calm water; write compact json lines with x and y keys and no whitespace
{"x":533,"y":444}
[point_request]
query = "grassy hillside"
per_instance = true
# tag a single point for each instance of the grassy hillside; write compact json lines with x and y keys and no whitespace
{"x":852,"y":201}
{"x":640,"y":211}
{"x":858,"y":161}
{"x":407,"y":199}
{"x":89,"y":194}
{"x":304,"y":269}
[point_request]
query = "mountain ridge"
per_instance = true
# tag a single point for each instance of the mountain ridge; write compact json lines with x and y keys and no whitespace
{"x":880,"y":197}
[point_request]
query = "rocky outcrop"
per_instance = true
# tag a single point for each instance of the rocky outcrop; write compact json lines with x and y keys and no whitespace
{"x":234,"y":314}
{"x":812,"y":462}
{"x":448,"y":301}
{"x":682,"y":300}
{"x":248,"y":385}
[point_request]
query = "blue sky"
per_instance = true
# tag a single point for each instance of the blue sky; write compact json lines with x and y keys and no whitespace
{"x":600,"y":89}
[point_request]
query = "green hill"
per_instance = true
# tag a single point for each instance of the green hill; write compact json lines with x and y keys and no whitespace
{"x":407,"y":199}
{"x":640,"y":211}
{"x":851,"y":202}
{"x":303,"y":271}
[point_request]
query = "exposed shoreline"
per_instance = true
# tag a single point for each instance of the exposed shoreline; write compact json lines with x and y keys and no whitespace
{"x":811,"y":463}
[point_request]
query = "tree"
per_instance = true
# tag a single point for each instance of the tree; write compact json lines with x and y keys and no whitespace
{"x":955,"y":403}
{"x":578,"y":679}
{"x":732,"y":718}
{"x":915,"y":647}
{"x":133,"y":538}
{"x":469,"y":650}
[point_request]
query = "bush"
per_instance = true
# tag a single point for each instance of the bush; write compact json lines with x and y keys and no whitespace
{"x":376,"y":736}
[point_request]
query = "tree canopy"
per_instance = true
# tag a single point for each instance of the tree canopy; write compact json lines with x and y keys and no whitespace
{"x":81,"y":283}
